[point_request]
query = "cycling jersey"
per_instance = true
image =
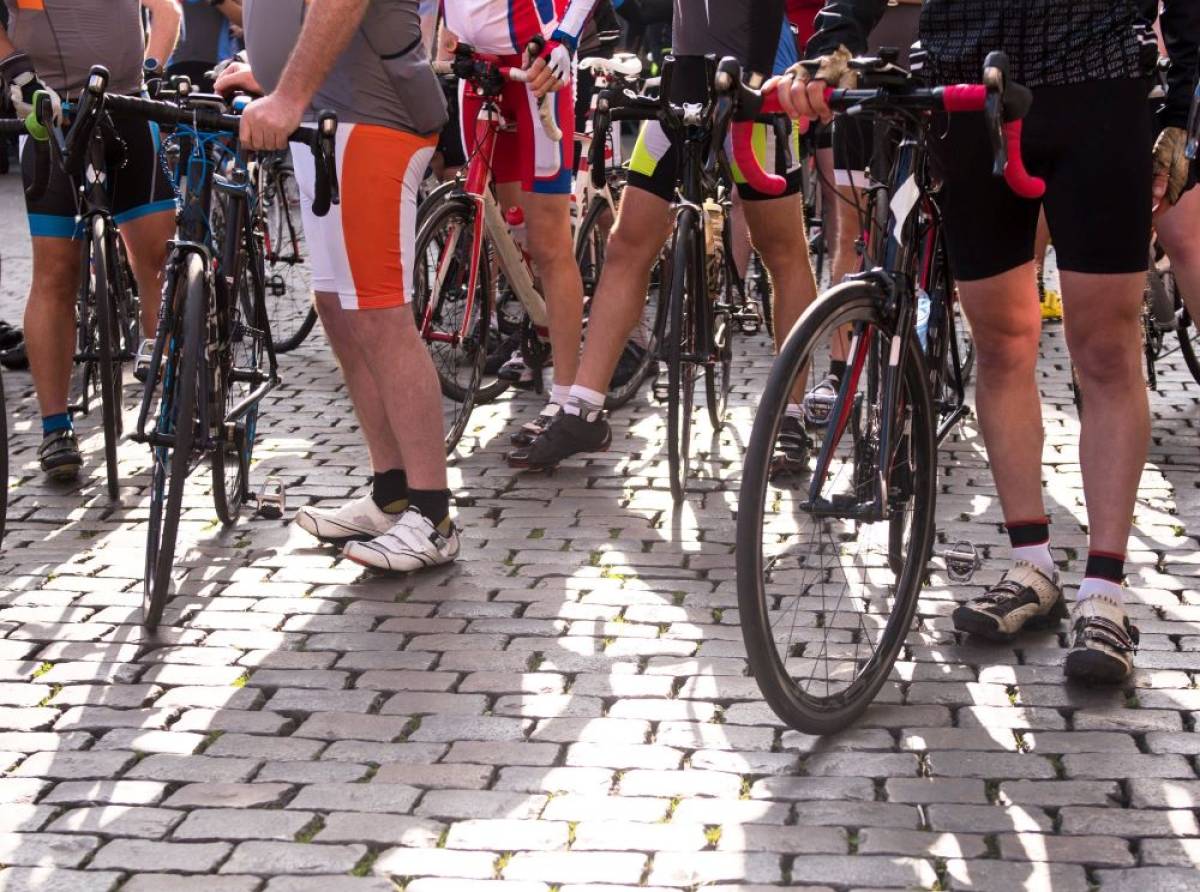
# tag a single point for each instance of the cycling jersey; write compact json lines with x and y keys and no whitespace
{"x":1048,"y":42}
{"x":504,"y":27}
{"x":748,"y":30}
{"x":65,"y":38}
{"x":204,"y":35}
{"x":383,"y":77}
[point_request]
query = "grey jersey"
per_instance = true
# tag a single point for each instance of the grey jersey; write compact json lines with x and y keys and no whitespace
{"x":200,"y":36}
{"x":65,"y":38}
{"x":383,"y":77}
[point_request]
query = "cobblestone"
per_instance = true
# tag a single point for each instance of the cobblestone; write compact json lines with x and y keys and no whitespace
{"x":570,"y":707}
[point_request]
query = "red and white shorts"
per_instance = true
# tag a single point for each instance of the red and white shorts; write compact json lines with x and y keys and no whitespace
{"x":525,"y":155}
{"x":362,"y":250}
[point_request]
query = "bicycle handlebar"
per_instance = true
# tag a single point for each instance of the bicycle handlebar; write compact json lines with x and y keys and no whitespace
{"x":1003,"y":103}
{"x":480,"y":68}
{"x":95,"y":98}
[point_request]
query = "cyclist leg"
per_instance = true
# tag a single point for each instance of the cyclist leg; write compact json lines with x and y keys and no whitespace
{"x":547,"y":177}
{"x":50,"y":311}
{"x":1178,"y":231}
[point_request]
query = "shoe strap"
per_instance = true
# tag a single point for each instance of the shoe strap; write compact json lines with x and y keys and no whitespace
{"x":1103,"y":631}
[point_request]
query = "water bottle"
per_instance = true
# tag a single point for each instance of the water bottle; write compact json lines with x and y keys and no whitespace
{"x":515,"y":218}
{"x":923,"y":305}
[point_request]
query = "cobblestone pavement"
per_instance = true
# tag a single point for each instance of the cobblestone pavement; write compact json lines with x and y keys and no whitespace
{"x":567,"y":708}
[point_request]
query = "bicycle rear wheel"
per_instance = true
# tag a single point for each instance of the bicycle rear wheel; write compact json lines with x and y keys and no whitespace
{"x":453,"y":323}
{"x":718,"y":371}
{"x":1187,"y":332}
{"x":107,"y":344}
{"x":824,"y":615}
{"x":242,"y":370}
{"x":288,"y":286}
{"x":182,"y":358}
{"x":687,"y":280}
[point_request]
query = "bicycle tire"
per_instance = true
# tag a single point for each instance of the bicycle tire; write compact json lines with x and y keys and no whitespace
{"x":108,"y":358}
{"x":681,"y":370}
{"x":284,"y":255}
{"x":177,"y":416}
{"x":3,"y":461}
{"x":233,"y":449}
{"x":718,"y":371}
{"x":1188,"y":334}
{"x":812,"y":713}
{"x":465,"y":394}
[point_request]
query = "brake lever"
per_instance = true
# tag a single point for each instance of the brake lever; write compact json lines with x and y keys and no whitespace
{"x":993,"y":109}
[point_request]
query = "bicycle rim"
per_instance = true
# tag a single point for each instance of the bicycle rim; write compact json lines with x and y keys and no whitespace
{"x":453,"y":326}
{"x":177,"y":417}
{"x":287,"y":279}
{"x":681,"y":372}
{"x":718,"y":373}
{"x":824,"y":616}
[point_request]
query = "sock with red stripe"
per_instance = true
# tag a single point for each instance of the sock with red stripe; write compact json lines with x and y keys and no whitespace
{"x":1103,"y":577}
{"x":1030,"y":540}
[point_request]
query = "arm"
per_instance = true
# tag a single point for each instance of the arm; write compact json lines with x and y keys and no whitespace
{"x":232,"y":10}
{"x":570,"y":26}
{"x":6,"y":45}
{"x":328,"y":29}
{"x":845,"y":23}
{"x":1180,"y":22}
{"x":165,"y":16}
{"x":766,"y":23}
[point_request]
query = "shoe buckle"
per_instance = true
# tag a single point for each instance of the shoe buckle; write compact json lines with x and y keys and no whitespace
{"x":271,"y":499}
{"x":962,"y":560}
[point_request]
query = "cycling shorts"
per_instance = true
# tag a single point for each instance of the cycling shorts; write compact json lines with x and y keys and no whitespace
{"x":138,"y":183}
{"x":1091,"y":142}
{"x":525,"y":154}
{"x":654,"y":164}
{"x":362,"y":250}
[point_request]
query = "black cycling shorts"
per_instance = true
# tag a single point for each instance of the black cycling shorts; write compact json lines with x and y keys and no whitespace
{"x":138,"y":183}
{"x":1092,"y":144}
{"x":450,"y":143}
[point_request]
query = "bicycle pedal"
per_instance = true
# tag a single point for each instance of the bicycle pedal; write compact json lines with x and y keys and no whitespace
{"x":962,"y":560}
{"x":271,"y":500}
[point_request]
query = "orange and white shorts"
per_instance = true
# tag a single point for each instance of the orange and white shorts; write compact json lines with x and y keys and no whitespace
{"x":362,"y":250}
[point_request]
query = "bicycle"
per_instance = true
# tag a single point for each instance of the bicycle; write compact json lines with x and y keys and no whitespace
{"x":213,"y":360}
{"x":107,"y":308}
{"x":289,"y":290}
{"x":830,"y":567}
{"x":460,"y":238}
{"x":694,"y":330}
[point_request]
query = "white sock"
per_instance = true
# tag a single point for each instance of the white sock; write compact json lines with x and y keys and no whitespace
{"x":1095,"y":587}
{"x":1038,"y":555}
{"x":583,"y":400}
{"x":559,"y":394}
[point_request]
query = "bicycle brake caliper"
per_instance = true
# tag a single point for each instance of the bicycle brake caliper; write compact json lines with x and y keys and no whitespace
{"x":962,"y":560}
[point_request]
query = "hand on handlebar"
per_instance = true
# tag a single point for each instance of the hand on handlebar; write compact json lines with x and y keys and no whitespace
{"x":268,"y":122}
{"x":802,"y":90}
{"x":1171,"y":167}
{"x":24,"y":84}
{"x":551,"y":70}
{"x":237,"y":77}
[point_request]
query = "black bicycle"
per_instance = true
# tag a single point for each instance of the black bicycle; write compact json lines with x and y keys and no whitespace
{"x":693,"y":332}
{"x":213,"y":359}
{"x":107,"y":308}
{"x":830,"y":561}
{"x":285,"y":252}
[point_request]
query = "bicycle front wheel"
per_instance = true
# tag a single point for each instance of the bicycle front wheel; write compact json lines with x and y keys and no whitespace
{"x":451,"y":303}
{"x":182,"y":358}
{"x":104,"y":285}
{"x":687,"y":277}
{"x":824,"y":613}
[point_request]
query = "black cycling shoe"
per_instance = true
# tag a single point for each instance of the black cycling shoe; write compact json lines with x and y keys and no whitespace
{"x":502,"y":348}
{"x":531,"y":430}
{"x":10,"y":336}
{"x":60,"y":456}
{"x":14,"y":358}
{"x":791,"y":448}
{"x":566,"y":436}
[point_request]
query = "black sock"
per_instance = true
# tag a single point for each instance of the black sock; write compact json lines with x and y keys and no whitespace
{"x":1028,"y":532}
{"x":1104,"y":565}
{"x":837,"y":368}
{"x":434,"y":504}
{"x":389,"y":490}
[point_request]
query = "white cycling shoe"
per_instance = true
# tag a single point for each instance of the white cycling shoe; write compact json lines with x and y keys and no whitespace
{"x":360,"y":519}
{"x":412,"y":543}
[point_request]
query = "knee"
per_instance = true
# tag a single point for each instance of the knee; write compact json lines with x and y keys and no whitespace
{"x":1007,"y":351}
{"x":1109,"y":354}
{"x":631,"y":247}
